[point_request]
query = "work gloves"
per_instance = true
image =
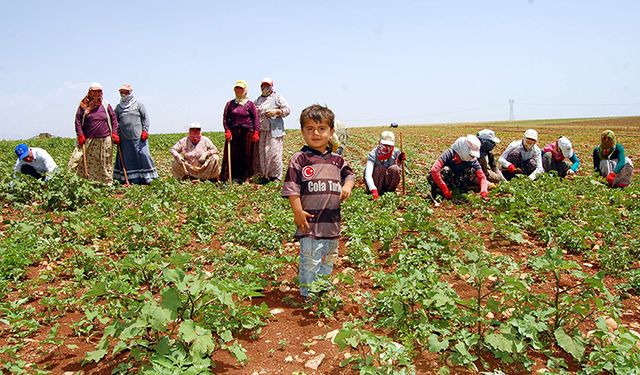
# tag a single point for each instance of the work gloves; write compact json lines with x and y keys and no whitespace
{"x":115,"y":138}
{"x":144,"y":136}
{"x":256,"y":137}
{"x":227,"y":135}
{"x":81,"y":139}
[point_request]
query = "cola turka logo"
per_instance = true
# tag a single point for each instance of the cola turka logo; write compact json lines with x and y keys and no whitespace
{"x":308,"y":172}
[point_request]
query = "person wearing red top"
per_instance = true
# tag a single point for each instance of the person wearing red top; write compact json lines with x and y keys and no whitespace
{"x":241,"y":131}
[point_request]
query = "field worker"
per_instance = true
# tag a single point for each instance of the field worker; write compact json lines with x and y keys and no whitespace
{"x":559,"y":156}
{"x":317,"y":180}
{"x":241,"y":132}
{"x":195,"y":157}
{"x":340,"y":139}
{"x":96,"y":130}
{"x":609,"y":160}
{"x":487,"y":159}
{"x":33,"y":161}
{"x":458,"y":168}
{"x":133,"y":131}
{"x":272,"y":109}
{"x":522,"y":157}
{"x":383,"y":170}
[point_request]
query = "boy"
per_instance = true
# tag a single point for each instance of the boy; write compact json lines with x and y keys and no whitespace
{"x":317,"y":180}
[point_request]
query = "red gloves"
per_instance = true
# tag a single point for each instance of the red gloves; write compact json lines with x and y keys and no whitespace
{"x":511,"y":168}
{"x":484,"y":195}
{"x":374,"y":192}
{"x":610,"y":177}
{"x":144,"y":136}
{"x":115,"y":138}
{"x":402,"y":157}
{"x":447,"y":193}
{"x":81,"y":139}
{"x":227,"y":135}
{"x":256,"y":137}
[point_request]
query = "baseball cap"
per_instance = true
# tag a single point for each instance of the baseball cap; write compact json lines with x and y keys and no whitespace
{"x":22,"y":151}
{"x":194,"y":125}
{"x":241,"y":83}
{"x":95,"y":86}
{"x":387,"y":138}
{"x":531,"y":134}
{"x":267,"y":80}
{"x":564,"y":144}
{"x":126,"y":86}
{"x":488,"y":134}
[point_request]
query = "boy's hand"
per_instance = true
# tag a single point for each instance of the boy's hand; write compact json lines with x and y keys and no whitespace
{"x":346,"y":192}
{"x":300,"y":218}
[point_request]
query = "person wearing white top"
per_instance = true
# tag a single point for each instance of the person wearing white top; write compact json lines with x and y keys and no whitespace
{"x":522,"y":157}
{"x":33,"y":161}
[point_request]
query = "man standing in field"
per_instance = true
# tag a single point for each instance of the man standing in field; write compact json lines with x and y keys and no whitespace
{"x":317,"y":180}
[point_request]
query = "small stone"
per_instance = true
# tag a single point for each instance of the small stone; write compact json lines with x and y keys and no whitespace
{"x":347,"y":355}
{"x":400,"y":219}
{"x":493,"y":279}
{"x":489,"y":315}
{"x":288,"y":359}
{"x":595,"y":247}
{"x":314,"y":362}
{"x":612,"y":325}
{"x":284,"y":288}
{"x":542,"y":371}
{"x":276,"y":311}
{"x":588,"y":265}
{"x":348,"y":270}
{"x":332,"y":335}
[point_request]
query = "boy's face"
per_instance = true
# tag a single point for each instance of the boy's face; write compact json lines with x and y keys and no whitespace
{"x":317,"y":134}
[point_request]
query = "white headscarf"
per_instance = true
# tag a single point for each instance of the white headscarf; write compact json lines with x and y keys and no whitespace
{"x":468,"y":148}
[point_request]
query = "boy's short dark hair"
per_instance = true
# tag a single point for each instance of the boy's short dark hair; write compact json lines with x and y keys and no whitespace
{"x":318,"y":114}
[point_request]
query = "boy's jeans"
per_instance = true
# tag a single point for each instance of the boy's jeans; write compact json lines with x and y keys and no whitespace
{"x":316,"y":258}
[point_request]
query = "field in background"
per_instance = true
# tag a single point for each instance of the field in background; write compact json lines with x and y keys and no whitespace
{"x":181,"y":277}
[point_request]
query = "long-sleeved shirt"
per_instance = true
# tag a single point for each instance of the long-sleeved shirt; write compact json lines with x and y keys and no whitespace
{"x":95,"y":122}
{"x":558,"y":156}
{"x":450,"y":159}
{"x":192,"y":153}
{"x":236,"y":115}
{"x":372,"y":161}
{"x":270,"y":102}
{"x":618,"y":153}
{"x":132,"y":121}
{"x":525,"y":155}
{"x":42,"y":162}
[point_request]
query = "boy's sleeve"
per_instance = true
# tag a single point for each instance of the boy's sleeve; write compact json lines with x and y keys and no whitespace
{"x":346,"y":173}
{"x":293,"y":178}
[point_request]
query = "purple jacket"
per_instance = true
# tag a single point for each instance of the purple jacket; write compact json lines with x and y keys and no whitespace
{"x":95,"y":123}
{"x":240,"y":116}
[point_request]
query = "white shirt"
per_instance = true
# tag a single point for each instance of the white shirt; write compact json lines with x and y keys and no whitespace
{"x":42,"y":162}
{"x":526,"y":155}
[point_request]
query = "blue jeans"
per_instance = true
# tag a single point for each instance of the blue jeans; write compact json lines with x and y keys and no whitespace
{"x":316,"y":258}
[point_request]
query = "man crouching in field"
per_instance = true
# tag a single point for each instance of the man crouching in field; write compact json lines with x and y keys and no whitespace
{"x":317,"y":180}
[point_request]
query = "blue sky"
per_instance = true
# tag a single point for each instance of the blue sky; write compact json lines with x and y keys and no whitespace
{"x":372,"y":62}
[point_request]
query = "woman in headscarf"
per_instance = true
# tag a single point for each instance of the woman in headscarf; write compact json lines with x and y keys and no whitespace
{"x":96,"y":130}
{"x":522,"y":157}
{"x":272,"y":108}
{"x":383,"y":170}
{"x":133,"y":132}
{"x":195,"y":156}
{"x":560,"y":157}
{"x":457,"y":169}
{"x":487,"y":159}
{"x":241,"y":131}
{"x":609,"y":160}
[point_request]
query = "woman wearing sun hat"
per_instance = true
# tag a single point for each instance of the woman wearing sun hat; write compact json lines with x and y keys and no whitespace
{"x":133,"y":131}
{"x":96,"y":127}
{"x":241,"y":131}
{"x":610,"y":161}
{"x":195,"y":156}
{"x":487,"y":159}
{"x":457,"y":169}
{"x":272,"y":108}
{"x":383,"y":170}
{"x":559,"y":156}
{"x":522,"y":157}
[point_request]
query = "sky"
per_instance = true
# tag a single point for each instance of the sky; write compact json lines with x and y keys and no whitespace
{"x":372,"y":62}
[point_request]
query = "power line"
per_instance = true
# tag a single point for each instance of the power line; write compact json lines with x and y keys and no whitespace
{"x":579,"y":104}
